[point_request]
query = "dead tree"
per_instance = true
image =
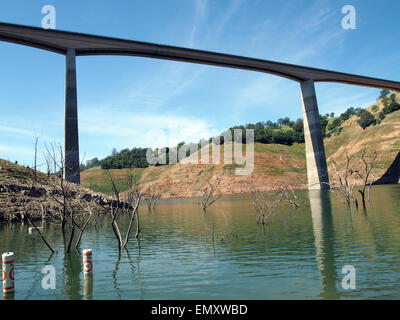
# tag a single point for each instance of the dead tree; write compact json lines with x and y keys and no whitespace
{"x":287,"y":194}
{"x":27,"y":215}
{"x":65,"y":192}
{"x":53,"y":157}
{"x":366,"y":174}
{"x":67,"y":195}
{"x":138,"y":230}
{"x":35,"y":166}
{"x":344,"y":184}
{"x":133,"y":195}
{"x":115,"y":208}
{"x":48,"y":164}
{"x":82,"y":229}
{"x":209,"y":194}
{"x":71,"y":212}
{"x":265,"y":208}
{"x":132,"y":181}
{"x":151,"y":197}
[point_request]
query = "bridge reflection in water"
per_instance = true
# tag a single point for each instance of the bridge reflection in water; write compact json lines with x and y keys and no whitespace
{"x":324,"y":234}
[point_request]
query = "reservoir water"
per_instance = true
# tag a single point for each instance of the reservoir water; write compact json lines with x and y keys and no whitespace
{"x":300,"y":255}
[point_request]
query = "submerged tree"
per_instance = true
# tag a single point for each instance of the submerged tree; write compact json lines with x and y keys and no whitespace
{"x":209,"y":194}
{"x":28,"y":208}
{"x":133,"y":196}
{"x":151,"y":196}
{"x":366,"y":173}
{"x":265,"y":207}
{"x":343,"y":182}
{"x":285,"y":193}
{"x":346,"y":179}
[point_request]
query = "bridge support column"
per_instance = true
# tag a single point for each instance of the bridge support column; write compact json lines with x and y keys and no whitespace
{"x":317,"y":171}
{"x":71,"y":139}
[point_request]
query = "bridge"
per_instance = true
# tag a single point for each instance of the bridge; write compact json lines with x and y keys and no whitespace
{"x":73,"y":44}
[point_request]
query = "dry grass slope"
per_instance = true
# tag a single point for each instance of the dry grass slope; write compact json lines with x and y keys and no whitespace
{"x":274,"y":164}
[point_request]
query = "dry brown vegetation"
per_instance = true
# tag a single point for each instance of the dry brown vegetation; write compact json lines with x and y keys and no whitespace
{"x":45,"y":197}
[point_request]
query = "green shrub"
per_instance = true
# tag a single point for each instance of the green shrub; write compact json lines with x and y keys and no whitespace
{"x":391,"y":107}
{"x":366,"y":119}
{"x":383,"y":93}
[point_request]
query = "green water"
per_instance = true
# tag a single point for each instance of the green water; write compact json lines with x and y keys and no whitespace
{"x":299,"y":256}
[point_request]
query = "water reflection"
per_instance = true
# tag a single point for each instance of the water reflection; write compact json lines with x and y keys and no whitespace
{"x":9,"y":296}
{"x":114,"y":276}
{"x":136,"y":271}
{"x":298,"y":256}
{"x":321,"y":212}
{"x":72,"y":269}
{"x":38,"y":277}
{"x":88,"y":287}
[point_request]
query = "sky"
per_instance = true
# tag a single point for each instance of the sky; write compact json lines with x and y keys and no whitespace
{"x":126,"y":102}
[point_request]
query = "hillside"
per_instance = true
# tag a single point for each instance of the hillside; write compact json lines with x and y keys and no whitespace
{"x":383,"y":138}
{"x":275,"y":164}
{"x":22,"y":196}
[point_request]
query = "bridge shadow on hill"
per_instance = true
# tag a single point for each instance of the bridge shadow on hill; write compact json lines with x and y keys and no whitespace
{"x":392,"y":174}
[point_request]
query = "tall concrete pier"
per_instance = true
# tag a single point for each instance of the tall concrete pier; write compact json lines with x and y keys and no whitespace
{"x":71,"y":138}
{"x":317,"y":171}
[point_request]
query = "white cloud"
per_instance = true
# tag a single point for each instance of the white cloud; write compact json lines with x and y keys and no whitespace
{"x":20,"y":133}
{"x":132,"y":129}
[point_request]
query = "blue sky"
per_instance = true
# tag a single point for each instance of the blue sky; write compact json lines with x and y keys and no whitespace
{"x":124,"y":101}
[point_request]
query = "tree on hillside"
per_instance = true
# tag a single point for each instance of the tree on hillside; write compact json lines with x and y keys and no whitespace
{"x":390,"y":104}
{"x":366,"y":119}
{"x":298,"y":125}
{"x":383,"y":93}
{"x":114,"y":152}
{"x":284,"y":121}
{"x":324,"y":122}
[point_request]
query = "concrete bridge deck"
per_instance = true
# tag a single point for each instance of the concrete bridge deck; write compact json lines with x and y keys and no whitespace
{"x":84,"y":44}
